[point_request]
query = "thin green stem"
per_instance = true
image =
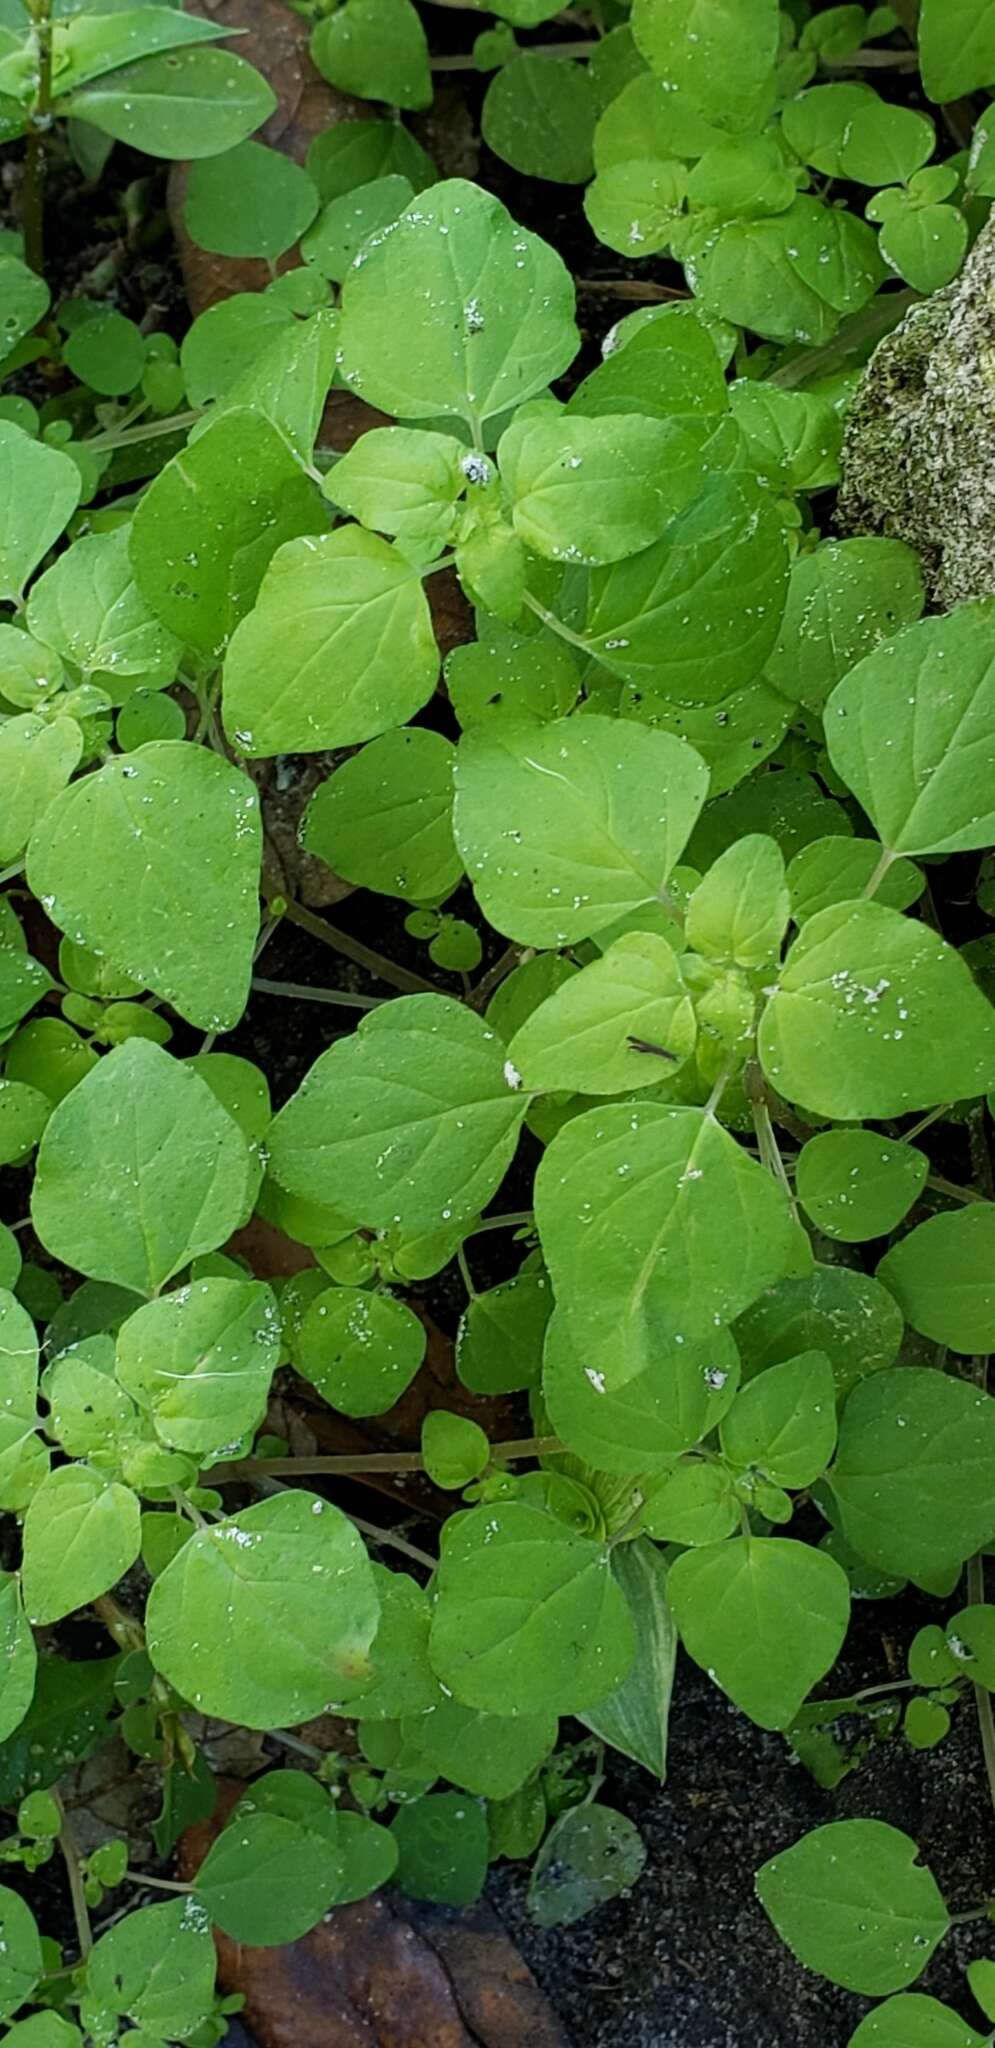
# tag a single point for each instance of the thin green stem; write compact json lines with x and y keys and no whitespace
{"x":7,"y":874}
{"x":465,"y":1274}
{"x":876,"y":879}
{"x":466,"y":62}
{"x":512,"y":957}
{"x":872,"y":60}
{"x":770,"y":1151}
{"x":158,"y":1884}
{"x":556,"y":625}
{"x":387,"y":1536}
{"x":299,"y":1747}
{"x":719,"y":1089}
{"x":151,"y":430}
{"x":951,"y":1188}
{"x":40,"y":122}
{"x":187,"y":1508}
{"x":345,"y":1464}
{"x":515,"y":1220}
{"x":932,"y":1117}
{"x":870,"y":1692}
{"x":74,"y":1874}
{"x":345,"y":998}
{"x":126,"y":1631}
{"x":353,"y":949}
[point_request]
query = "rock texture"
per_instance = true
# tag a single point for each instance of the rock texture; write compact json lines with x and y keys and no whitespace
{"x":919,"y":454}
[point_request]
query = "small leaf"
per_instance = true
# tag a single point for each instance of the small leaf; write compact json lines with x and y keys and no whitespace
{"x":784,"y":1421}
{"x":21,"y":1959}
{"x":913,"y":1478}
{"x":81,"y":1534}
{"x":442,"y":1848}
{"x":590,"y":1854}
{"x":39,"y":492}
{"x":186,"y":103}
{"x":765,"y":1616}
{"x":539,"y":117}
{"x":384,"y":818}
{"x":156,"y":1967}
{"x":360,"y":1350}
{"x":589,"y":1035}
{"x":376,"y":49}
{"x":248,"y":201}
{"x":852,"y":1902}
{"x":454,"y":1449}
{"x":855,"y":1184}
{"x":943,"y":1277}
{"x":914,"y":2021}
{"x":643,"y":1426}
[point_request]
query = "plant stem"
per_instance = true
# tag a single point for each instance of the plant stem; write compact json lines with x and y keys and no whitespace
{"x":374,"y":1461}
{"x":126,"y":1631}
{"x":151,"y":430}
{"x":932,"y":1117}
{"x":40,"y":118}
{"x":158,"y":1884}
{"x":556,"y":625}
{"x":859,"y":331}
{"x":770,"y":1151}
{"x":465,"y":1274}
{"x":466,"y":62}
{"x":950,"y":1187}
{"x":345,"y":997}
{"x":512,"y":957}
{"x":873,"y":60}
{"x":870,"y":1692}
{"x":879,"y":874}
{"x":515,"y":1220}
{"x":7,"y":874}
{"x":641,"y":289}
{"x":396,"y":1542}
{"x":74,"y":1873}
{"x":294,"y":1742}
{"x":353,"y":949}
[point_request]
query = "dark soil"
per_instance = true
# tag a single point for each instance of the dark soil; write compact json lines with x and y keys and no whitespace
{"x":690,"y":1960}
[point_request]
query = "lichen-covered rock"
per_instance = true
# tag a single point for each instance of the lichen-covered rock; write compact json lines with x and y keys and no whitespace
{"x":919,"y":452}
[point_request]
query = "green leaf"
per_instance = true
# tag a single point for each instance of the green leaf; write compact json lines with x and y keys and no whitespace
{"x":489,"y":1754}
{"x":816,"y":123}
{"x":81,"y":1534}
{"x":208,"y":527}
{"x":248,"y":201}
{"x":721,"y":56}
{"x":339,"y":648}
{"x":693,"y":1504}
{"x":790,"y":278}
{"x":970,"y":1638}
{"x":201,"y":1361}
{"x":183,"y":928}
{"x":21,"y":1959}
{"x":765,"y":1616}
{"x":875,"y":1015}
{"x":739,"y":912}
{"x":634,"y":1718}
{"x":23,"y":1457}
{"x":66,"y":1720}
{"x":926,"y":245}
{"x":268,"y":1879}
{"x":592,"y":490}
{"x":489,"y":311}
{"x":528,"y":1619}
{"x":36,"y":761}
{"x":89,"y":607}
{"x":140,"y":1169}
{"x":636,"y":1206}
{"x":836,"y":870}
{"x":442,"y":1848}
{"x":918,"y":757}
{"x":376,"y":49}
{"x":156,"y":1967}
{"x":668,"y":368}
{"x":590,"y":1855}
{"x":410,"y":1120}
{"x":401,"y":480}
{"x":384,"y":819}
{"x":581,"y":1037}
{"x":855,"y":1184}
{"x":25,"y":299}
{"x":88,"y":1411}
{"x":500,"y":1337}
{"x":18,"y":1658}
{"x":107,"y":352}
{"x":539,"y":116}
{"x":455,"y":1450}
{"x":228,"y":339}
{"x":851,"y":1901}
{"x":39,"y":492}
{"x":360,"y":1350}
{"x":187,"y":103}
{"x":956,"y":46}
{"x":832,"y":1309}
{"x":563,"y":829}
{"x":732,"y":735}
{"x":914,"y":2021}
{"x":402,"y":1681}
{"x":288,"y":1586}
{"x":23,"y":1116}
{"x":913,"y":1477}
{"x":943,"y":1277}
{"x":784,"y":1422}
{"x":793,"y":437}
{"x":643,"y":1426}
{"x":43,"y":2030}
{"x":843,"y":600}
{"x":696,"y":615}
{"x":351,"y":154}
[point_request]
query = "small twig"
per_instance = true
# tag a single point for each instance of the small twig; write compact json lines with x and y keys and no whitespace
{"x":345,"y":998}
{"x":353,"y":949}
{"x":505,"y":964}
{"x":641,"y":289}
{"x":396,"y":1542}
{"x":872,"y":60}
{"x":74,"y":1873}
{"x":126,"y":1631}
{"x":294,"y":1742}
{"x":516,"y":1219}
{"x":347,"y":1463}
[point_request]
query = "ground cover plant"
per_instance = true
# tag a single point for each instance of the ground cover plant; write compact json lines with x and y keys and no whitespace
{"x":689,"y":841}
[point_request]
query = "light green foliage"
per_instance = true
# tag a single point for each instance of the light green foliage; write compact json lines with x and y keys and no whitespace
{"x":784,"y":1422}
{"x":490,"y":311}
{"x":240,"y":1576}
{"x":339,"y":647}
{"x":621,"y":1197}
{"x":721,"y":57}
{"x":634,"y":1718}
{"x":248,"y":201}
{"x":851,"y":1900}
{"x":539,"y":116}
{"x":140,"y":1170}
{"x":21,"y":1962}
{"x":135,"y":903}
{"x":500,"y":1338}
{"x":188,"y":104}
{"x":641,"y":1426}
{"x":36,"y":760}
{"x":912,"y":1477}
{"x":874,"y":1015}
{"x":941,"y":1274}
{"x":39,"y":492}
{"x":843,"y":599}
{"x":81,"y":1533}
{"x":766,"y":1615}
{"x":360,"y":1350}
{"x":590,"y":490}
{"x":384,"y":819}
{"x":957,"y":46}
{"x":412,"y":1120}
{"x":581,"y":1037}
{"x":156,"y":1968}
{"x":201,"y":1360}
{"x":529,"y":1621}
{"x":90,"y":608}
{"x":738,"y":913}
{"x":400,"y":480}
{"x":855,"y":1185}
{"x":832,"y":1309}
{"x":18,"y":1657}
{"x":375,"y":48}
{"x":455,"y":1450}
{"x":564,"y":829}
{"x":913,"y":2020}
